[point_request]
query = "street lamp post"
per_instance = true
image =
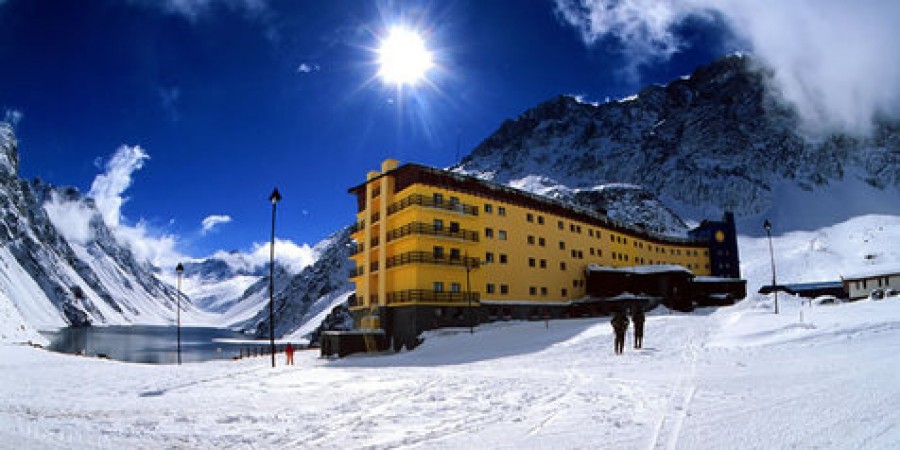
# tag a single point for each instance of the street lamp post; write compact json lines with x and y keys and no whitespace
{"x":469,"y":294}
{"x":274,"y":198}
{"x":768,"y":226}
{"x":179,"y":269}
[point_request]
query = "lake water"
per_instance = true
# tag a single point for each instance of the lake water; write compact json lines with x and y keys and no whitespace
{"x":153,"y":344}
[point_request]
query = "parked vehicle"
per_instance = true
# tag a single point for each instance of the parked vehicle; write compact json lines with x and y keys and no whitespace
{"x":876,"y":294}
{"x":826,"y":300}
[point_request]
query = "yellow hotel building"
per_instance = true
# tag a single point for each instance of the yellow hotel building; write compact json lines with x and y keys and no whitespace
{"x":437,"y":249}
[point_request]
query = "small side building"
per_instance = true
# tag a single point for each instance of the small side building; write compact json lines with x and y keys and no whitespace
{"x":860,"y":285}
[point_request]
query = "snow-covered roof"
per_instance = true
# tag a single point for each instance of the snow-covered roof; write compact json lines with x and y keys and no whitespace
{"x":640,"y":270}
{"x":873,"y":272}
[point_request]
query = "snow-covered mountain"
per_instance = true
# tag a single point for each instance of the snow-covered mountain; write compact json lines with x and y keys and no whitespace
{"x":719,"y":139}
{"x":57,"y":272}
{"x":310,"y":294}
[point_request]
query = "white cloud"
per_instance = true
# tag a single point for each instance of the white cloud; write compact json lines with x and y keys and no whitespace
{"x":194,"y":9}
{"x":294,"y":257}
{"x":12,"y":116}
{"x":210,"y":222}
{"x":159,"y":249}
{"x":308,"y":68}
{"x":834,"y":60}
{"x":71,"y":218}
{"x":107,"y":188}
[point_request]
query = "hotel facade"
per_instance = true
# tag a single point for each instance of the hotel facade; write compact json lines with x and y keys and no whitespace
{"x":437,"y":249}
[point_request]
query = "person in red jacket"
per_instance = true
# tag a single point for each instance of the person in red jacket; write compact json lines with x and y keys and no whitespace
{"x":289,"y":353}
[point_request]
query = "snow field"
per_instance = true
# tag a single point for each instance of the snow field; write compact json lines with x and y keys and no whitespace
{"x":738,"y":377}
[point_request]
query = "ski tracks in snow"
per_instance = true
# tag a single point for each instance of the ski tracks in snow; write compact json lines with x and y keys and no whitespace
{"x":669,"y":427}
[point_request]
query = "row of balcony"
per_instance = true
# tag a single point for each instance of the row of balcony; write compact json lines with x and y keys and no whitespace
{"x":426,"y":229}
{"x":420,"y":296}
{"x":420,"y":258}
{"x":423,"y":229}
{"x":431,"y":202}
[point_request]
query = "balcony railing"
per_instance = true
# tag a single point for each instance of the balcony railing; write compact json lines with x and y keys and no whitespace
{"x":430,"y":258}
{"x":357,"y":249}
{"x":426,"y":296}
{"x":357,"y":271}
{"x":429,"y":202}
{"x":430,"y":230}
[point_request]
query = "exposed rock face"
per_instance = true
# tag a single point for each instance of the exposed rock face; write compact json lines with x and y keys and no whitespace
{"x":717,"y":140}
{"x":92,"y":279}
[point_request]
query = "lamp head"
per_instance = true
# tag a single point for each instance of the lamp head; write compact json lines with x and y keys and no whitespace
{"x":275,"y":197}
{"x":179,"y":268}
{"x":767,"y":225}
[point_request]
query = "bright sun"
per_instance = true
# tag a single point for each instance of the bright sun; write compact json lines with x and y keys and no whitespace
{"x":403,"y":58}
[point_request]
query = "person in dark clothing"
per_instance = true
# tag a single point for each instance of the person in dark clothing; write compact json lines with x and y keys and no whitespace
{"x":638,"y":319}
{"x":620,"y":326}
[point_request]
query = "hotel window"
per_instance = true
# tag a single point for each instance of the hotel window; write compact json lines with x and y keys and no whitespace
{"x":455,"y":287}
{"x":488,"y":208}
{"x":592,"y":251}
{"x":598,"y":234}
{"x":438,"y":286}
{"x":438,"y":224}
{"x":532,"y":290}
{"x":564,"y":292}
{"x":489,"y":233}
{"x":529,"y":217}
{"x":562,"y":245}
{"x":438,"y":199}
{"x":612,"y":238}
{"x":574,"y":283}
{"x":454,"y":253}
{"x":562,"y":265}
{"x":572,"y":227}
{"x":561,"y":225}
{"x":504,"y":289}
{"x":489,"y":257}
{"x":438,"y":252}
{"x":501,"y":211}
{"x":503,"y":258}
{"x":531,"y":262}
{"x":599,"y":252}
{"x":625,"y":241}
{"x":501,"y":235}
{"x":543,"y":292}
{"x":543,"y":264}
{"x":489,"y":288}
{"x":578,"y":229}
{"x":591,"y":232}
{"x":542,"y":242}
{"x":454,"y":201}
{"x":540,"y":220}
{"x":454,"y":227}
{"x":530,"y":240}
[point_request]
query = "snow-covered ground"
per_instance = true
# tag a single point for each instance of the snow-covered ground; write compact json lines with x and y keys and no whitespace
{"x":738,"y":377}
{"x":734,"y":377}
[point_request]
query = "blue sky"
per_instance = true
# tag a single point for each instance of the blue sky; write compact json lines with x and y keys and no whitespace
{"x":228,"y":98}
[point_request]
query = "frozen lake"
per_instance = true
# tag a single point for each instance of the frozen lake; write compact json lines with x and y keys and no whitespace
{"x":153,"y":344}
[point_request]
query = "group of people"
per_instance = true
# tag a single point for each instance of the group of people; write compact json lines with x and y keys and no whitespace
{"x":620,"y":326}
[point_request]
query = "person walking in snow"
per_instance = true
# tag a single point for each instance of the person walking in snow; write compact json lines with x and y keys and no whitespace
{"x":289,"y":354}
{"x":620,"y":326}
{"x":638,"y":318}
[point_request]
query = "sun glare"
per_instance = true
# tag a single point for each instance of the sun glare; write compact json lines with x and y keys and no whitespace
{"x":403,"y":58}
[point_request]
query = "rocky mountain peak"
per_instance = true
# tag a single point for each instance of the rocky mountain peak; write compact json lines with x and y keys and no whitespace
{"x":9,"y":154}
{"x":719,"y":139}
